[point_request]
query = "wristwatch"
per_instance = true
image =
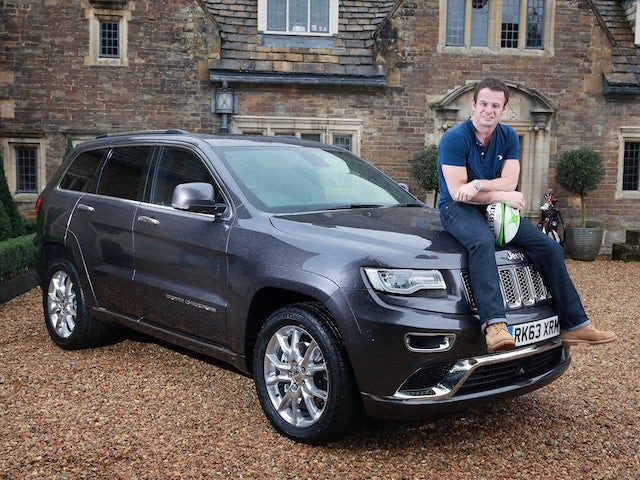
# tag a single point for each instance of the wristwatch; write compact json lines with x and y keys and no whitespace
{"x":477,"y":184}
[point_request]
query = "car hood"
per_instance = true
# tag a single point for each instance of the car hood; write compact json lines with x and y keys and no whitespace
{"x":395,"y":236}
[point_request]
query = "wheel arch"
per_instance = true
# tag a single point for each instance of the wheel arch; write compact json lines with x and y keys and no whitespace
{"x":52,"y":251}
{"x":268,"y":300}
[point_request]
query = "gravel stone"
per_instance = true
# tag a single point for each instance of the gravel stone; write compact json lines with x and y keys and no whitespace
{"x":139,"y":409}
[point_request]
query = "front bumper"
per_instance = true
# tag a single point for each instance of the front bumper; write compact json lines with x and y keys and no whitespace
{"x":472,"y":381}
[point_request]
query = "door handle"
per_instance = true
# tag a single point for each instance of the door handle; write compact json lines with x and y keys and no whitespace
{"x":85,"y":207}
{"x":150,"y":220}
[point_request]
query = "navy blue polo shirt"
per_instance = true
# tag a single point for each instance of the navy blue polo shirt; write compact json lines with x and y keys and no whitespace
{"x":460,"y":147}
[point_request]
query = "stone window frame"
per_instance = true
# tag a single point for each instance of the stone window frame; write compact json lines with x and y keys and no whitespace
{"x":9,"y":147}
{"x":97,"y":14}
{"x":297,"y":126}
{"x":626,"y":135}
{"x":333,"y":22}
{"x":494,"y":31}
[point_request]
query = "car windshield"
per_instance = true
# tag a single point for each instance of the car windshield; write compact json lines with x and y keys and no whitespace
{"x":288,"y":178}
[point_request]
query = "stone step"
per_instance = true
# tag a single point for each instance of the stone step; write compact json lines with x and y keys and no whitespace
{"x":626,"y":252}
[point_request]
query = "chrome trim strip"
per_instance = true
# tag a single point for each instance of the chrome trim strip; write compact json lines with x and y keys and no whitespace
{"x":463,"y":369}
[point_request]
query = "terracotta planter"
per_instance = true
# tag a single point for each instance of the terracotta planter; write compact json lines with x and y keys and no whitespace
{"x":583,"y":243}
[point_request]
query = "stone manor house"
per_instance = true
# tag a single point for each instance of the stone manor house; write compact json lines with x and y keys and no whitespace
{"x":383,"y":78}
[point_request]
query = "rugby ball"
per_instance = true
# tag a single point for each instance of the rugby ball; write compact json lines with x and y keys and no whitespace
{"x":504,"y":222}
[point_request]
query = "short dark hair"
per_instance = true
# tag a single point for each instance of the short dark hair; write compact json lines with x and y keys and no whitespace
{"x":492,"y":84}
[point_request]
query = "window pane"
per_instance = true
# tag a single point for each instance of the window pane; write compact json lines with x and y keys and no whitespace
{"x":298,"y":15}
{"x":319,"y":16}
{"x":176,"y":166}
{"x":109,"y":39}
{"x":480,"y":23}
{"x":535,"y":23}
{"x":124,"y":174}
{"x":343,"y":141}
{"x":310,"y":136}
{"x":26,"y":169}
{"x":510,"y":23}
{"x":631,"y":168}
{"x":82,"y":172}
{"x":276,"y":15}
{"x":455,"y":22}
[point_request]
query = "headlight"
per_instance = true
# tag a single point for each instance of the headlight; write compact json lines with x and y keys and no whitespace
{"x":404,"y":281}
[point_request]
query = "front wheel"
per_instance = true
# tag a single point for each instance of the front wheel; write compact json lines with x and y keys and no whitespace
{"x":303,"y":379}
{"x":66,"y":313}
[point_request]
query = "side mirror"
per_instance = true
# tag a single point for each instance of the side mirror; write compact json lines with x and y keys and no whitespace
{"x":196,"y":197}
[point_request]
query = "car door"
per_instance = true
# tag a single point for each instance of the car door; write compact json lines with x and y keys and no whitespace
{"x":102,"y":225}
{"x":180,"y":259}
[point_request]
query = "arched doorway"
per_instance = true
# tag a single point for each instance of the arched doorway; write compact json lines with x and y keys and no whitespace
{"x":530,"y":113}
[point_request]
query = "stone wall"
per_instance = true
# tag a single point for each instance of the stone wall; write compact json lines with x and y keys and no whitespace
{"x":47,"y":89}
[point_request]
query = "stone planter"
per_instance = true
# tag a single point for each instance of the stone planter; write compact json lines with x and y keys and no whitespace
{"x":583,"y":243}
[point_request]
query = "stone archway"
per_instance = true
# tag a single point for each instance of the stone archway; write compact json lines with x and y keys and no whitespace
{"x":530,"y":113}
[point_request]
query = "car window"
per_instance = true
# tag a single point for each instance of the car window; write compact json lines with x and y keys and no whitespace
{"x":81,"y":174}
{"x":286,"y":179}
{"x":175,"y":166}
{"x":123,"y":175}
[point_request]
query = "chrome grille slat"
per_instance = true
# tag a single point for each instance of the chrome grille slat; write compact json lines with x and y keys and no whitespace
{"x":521,"y":286}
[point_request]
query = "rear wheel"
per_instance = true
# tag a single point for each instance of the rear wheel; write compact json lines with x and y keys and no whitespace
{"x":303,"y":379}
{"x":66,"y":313}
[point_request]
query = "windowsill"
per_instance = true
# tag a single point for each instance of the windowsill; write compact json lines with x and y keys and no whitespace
{"x":496,"y":51}
{"x":627,"y":195}
{"x":303,"y":40}
{"x":107,"y":62}
{"x":25,"y":197}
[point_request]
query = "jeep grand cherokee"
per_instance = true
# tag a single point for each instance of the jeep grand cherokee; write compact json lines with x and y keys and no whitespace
{"x":294,"y":261}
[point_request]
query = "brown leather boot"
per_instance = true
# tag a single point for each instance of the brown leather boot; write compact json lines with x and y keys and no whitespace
{"x":588,"y":335}
{"x":498,"y":338}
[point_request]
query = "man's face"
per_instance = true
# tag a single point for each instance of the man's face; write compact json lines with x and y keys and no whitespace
{"x":489,"y":107}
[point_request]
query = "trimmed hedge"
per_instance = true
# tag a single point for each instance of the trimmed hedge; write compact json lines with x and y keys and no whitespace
{"x":17,"y":255}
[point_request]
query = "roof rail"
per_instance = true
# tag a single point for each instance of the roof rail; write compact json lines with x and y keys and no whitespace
{"x":170,"y":131}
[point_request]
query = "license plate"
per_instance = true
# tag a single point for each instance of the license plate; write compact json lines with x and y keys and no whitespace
{"x":532,"y":332}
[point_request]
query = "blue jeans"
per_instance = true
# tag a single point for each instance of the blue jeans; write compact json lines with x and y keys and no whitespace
{"x":468,"y":224}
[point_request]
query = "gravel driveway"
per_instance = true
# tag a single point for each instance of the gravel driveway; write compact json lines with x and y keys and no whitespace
{"x":141,"y":410}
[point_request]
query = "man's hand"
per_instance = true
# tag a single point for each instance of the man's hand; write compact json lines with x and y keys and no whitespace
{"x":515,"y":200}
{"x":466,"y":192}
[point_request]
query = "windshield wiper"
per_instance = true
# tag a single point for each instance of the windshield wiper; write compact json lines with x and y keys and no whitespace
{"x":353,"y":206}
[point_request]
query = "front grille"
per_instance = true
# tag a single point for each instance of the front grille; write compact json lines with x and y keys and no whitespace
{"x":487,"y":377}
{"x":521,"y":286}
{"x":501,"y":374}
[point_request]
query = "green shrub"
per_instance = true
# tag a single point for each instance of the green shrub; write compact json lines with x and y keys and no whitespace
{"x":6,"y":199}
{"x":580,"y":171}
{"x":17,"y":255}
{"x":30,"y":226}
{"x":424,"y":168}
{"x":5,"y":224}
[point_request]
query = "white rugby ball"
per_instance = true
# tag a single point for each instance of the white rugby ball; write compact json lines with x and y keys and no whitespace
{"x":504,"y":222}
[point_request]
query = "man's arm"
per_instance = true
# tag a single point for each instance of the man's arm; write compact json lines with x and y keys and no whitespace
{"x":501,"y":189}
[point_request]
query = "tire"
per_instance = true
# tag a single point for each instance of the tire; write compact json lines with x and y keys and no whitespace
{"x":303,"y":379}
{"x":65,"y":309}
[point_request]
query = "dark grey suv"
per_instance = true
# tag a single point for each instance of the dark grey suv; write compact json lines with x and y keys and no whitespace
{"x":296,"y":262}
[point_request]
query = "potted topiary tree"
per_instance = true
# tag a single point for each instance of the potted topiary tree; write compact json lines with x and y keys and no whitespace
{"x":424,"y":168}
{"x":580,"y":171}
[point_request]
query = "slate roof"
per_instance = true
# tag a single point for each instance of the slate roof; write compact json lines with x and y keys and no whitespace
{"x":624,"y":78}
{"x":350,"y":56}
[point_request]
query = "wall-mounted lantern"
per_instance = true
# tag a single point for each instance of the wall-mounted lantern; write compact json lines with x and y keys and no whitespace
{"x":224,"y":102}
